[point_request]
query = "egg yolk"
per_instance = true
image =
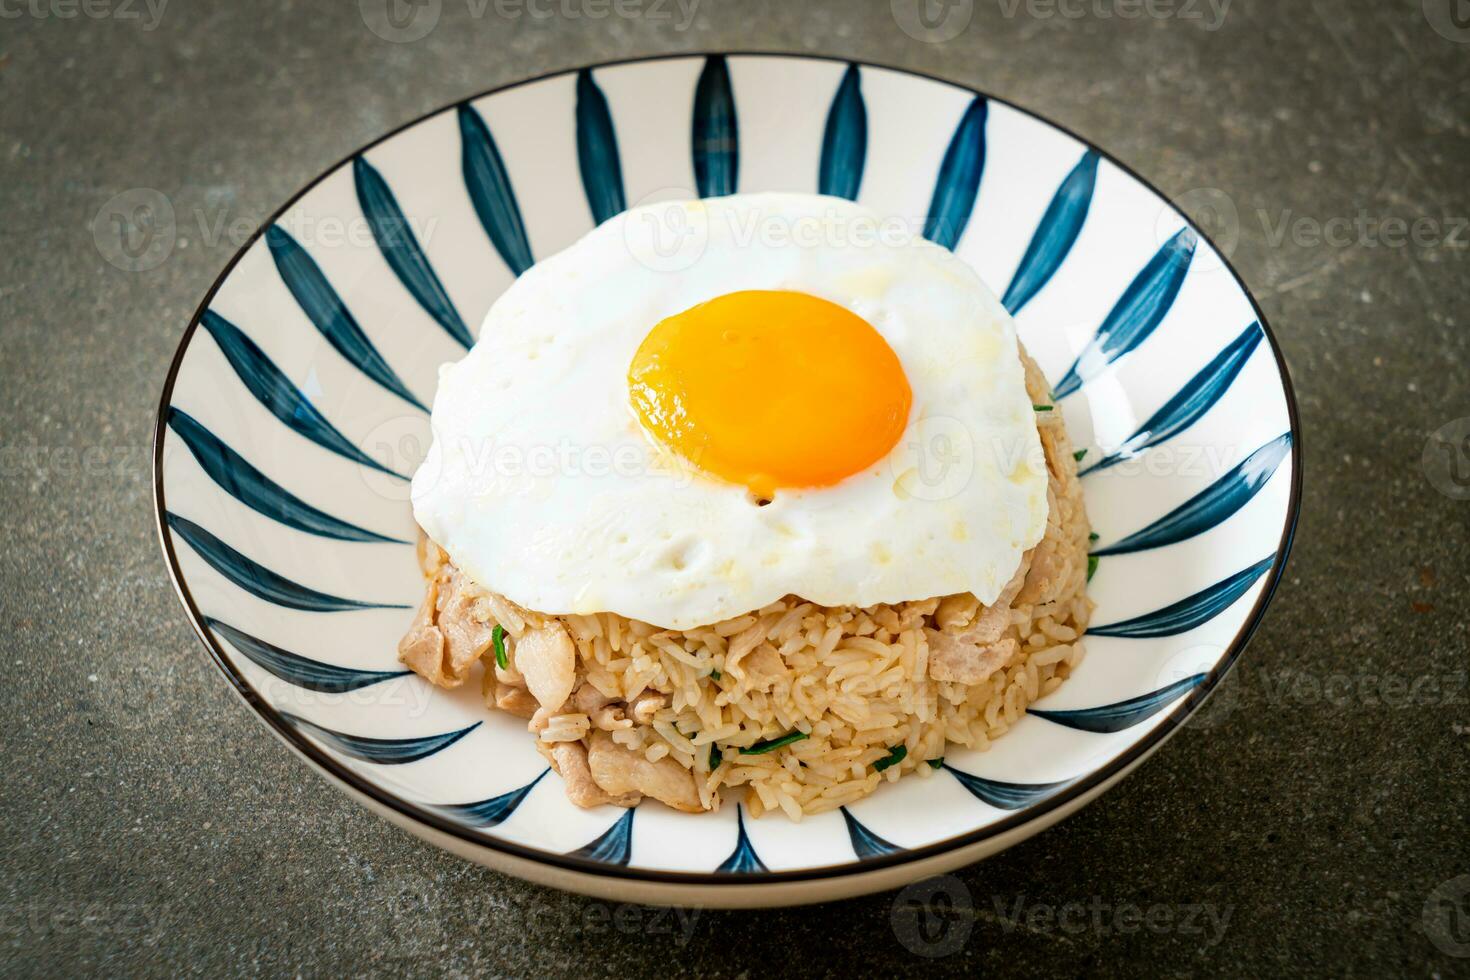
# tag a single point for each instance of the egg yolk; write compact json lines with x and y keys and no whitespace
{"x":771,"y":389}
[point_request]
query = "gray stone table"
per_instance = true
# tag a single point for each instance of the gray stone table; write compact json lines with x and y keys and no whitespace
{"x":149,"y":825}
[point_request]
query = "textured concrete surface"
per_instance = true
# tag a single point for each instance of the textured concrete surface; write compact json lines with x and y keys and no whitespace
{"x":149,"y":825}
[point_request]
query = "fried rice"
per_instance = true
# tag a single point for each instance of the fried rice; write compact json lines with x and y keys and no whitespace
{"x":808,"y":707}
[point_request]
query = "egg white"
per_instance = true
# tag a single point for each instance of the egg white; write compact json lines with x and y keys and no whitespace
{"x":542,"y":486}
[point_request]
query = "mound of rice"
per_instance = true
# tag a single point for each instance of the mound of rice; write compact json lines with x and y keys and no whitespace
{"x":809,"y":707}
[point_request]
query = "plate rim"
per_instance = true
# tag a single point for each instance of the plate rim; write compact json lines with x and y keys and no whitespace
{"x":424,"y":814}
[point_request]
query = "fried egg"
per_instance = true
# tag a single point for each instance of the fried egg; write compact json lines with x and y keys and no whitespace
{"x":703,"y":406}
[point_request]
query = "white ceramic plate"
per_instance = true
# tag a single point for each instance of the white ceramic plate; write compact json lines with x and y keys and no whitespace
{"x":289,"y":421}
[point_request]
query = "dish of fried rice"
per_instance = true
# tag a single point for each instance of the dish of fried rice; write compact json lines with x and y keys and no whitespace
{"x":807,"y":707}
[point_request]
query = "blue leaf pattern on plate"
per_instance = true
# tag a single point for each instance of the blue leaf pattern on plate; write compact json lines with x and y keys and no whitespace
{"x":1139,"y":311}
{"x":597,"y":151}
{"x":276,"y":392}
{"x":614,"y":846}
{"x":1211,"y":506}
{"x":1190,"y":612}
{"x":298,"y":670}
{"x":488,"y":184}
{"x":492,"y":812}
{"x":258,"y":580}
{"x":402,"y":251}
{"x":742,"y":860}
{"x":1197,"y":397}
{"x":1115,"y":717}
{"x":1055,"y":235}
{"x":845,"y":140}
{"x":865,"y":843}
{"x":382,"y":751}
{"x":325,"y":309}
{"x":1006,"y":796}
{"x":716,"y":131}
{"x":959,"y":178}
{"x":257,"y":491}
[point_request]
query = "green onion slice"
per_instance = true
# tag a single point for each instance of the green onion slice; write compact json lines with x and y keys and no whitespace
{"x":497,"y":637}
{"x":893,"y":758}
{"x":771,"y":745}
